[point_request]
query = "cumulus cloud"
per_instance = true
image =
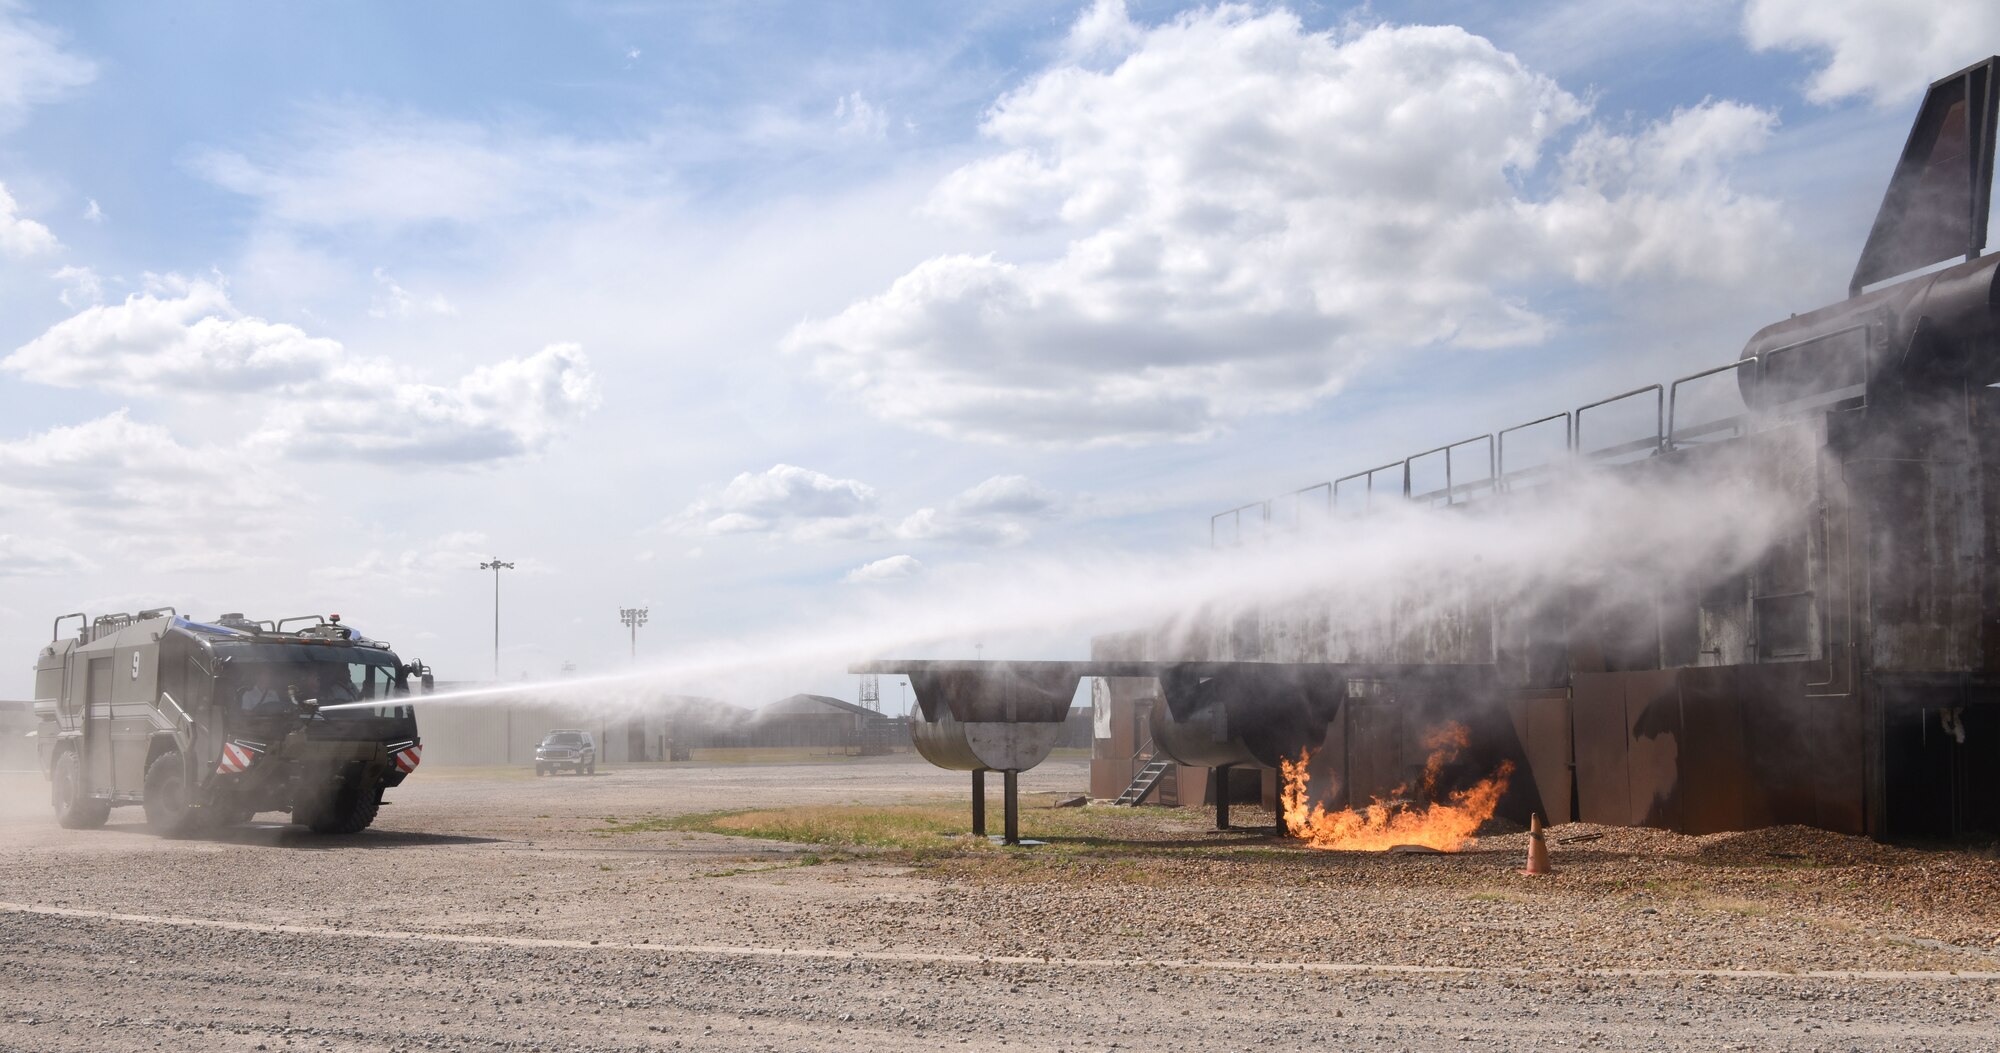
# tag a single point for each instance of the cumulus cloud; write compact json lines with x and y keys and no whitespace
{"x":860,"y":118}
{"x":929,"y":524}
{"x":20,"y":236}
{"x":890,"y":568}
{"x":799,"y":504}
{"x":81,"y":286}
{"x":184,"y":338}
{"x":114,"y":464}
{"x":1248,"y":210}
{"x":34,"y":67}
{"x":509,"y":409}
{"x":1885,"y":52}
{"x":786,"y":498}
{"x":1015,"y":495}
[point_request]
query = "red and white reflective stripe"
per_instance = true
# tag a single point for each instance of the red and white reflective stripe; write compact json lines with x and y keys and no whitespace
{"x":234,"y":759}
{"x":408,"y":758}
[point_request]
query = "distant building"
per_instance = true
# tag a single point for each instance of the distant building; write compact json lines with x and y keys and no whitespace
{"x":810,"y":720}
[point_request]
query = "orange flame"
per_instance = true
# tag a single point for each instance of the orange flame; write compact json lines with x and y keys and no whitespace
{"x":1446,"y":825}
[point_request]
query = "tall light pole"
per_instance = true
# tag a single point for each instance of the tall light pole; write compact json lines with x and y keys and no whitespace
{"x":633,"y":617}
{"x":496,"y":566}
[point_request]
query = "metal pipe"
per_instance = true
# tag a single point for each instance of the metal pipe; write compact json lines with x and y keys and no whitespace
{"x":1009,"y":781}
{"x":979,"y":802}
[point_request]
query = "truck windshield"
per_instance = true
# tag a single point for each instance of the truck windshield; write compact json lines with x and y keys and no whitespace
{"x":265,"y":678}
{"x":567,"y":738}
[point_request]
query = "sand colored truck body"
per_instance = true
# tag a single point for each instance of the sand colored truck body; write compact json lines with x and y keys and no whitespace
{"x":208,"y":724}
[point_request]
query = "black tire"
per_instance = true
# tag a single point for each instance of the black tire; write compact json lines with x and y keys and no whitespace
{"x":347,"y":809}
{"x":541,"y":770}
{"x":167,"y":807}
{"x":592,"y":769}
{"x":74,"y":808}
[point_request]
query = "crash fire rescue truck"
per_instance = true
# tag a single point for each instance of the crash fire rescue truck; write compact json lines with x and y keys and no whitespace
{"x":206,"y":724}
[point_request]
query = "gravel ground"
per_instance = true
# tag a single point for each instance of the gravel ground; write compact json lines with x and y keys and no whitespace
{"x":488,"y":911}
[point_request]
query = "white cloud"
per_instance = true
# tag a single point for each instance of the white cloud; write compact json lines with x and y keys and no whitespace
{"x":1249,"y":210}
{"x":860,"y":118}
{"x":509,"y":409}
{"x":799,"y":504}
{"x":24,"y":557}
{"x":393,"y":301}
{"x":19,"y":235}
{"x":34,"y":68}
{"x":928,"y":524}
{"x":81,"y":286}
{"x":1106,"y":30}
{"x":94,"y":213}
{"x":890,"y":568}
{"x":185,"y":339}
{"x":114,"y":464}
{"x":786,"y":498}
{"x":1007,"y":495}
{"x":1885,"y":51}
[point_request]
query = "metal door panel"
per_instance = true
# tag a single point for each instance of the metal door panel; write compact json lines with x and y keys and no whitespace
{"x":1653,"y":720}
{"x":1597,"y":722}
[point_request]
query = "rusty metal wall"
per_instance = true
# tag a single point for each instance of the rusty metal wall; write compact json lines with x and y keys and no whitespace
{"x":1541,"y":718}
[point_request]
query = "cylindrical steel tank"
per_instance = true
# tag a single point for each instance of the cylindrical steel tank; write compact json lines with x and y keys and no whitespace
{"x":974,"y":745}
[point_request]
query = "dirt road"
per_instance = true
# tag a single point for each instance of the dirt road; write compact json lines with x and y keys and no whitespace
{"x":492,"y":910}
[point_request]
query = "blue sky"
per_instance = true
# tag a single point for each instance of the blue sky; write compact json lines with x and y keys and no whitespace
{"x":775,"y":316}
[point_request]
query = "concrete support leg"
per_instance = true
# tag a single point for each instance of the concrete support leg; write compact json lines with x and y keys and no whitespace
{"x":979,"y":804}
{"x":1012,"y":834}
{"x":1221,"y":794}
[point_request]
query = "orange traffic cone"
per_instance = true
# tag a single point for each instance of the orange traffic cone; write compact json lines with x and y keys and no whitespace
{"x":1538,"y":847}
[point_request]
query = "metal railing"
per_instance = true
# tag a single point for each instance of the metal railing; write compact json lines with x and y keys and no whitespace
{"x":1506,"y":478}
{"x":1298,"y":503}
{"x":1668,"y":434}
{"x":1451,"y":491}
{"x":1735,"y":424}
{"x":1649,"y":443}
{"x":1236,"y":520}
{"x":1367,"y":486}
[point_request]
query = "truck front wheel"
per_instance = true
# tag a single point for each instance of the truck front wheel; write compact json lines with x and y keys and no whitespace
{"x":345,"y":809}
{"x":167,"y":810}
{"x":74,"y":808}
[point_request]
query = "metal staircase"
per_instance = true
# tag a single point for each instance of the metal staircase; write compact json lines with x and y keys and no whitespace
{"x":1156,"y":770}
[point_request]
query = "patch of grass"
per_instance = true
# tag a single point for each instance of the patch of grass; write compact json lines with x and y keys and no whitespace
{"x":1748,"y":908}
{"x":933,"y":831}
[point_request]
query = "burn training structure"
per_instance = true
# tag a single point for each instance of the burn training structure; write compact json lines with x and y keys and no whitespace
{"x":1847,"y":677}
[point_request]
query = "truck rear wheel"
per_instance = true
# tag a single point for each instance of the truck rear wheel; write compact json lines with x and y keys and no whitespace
{"x":346,"y":809}
{"x":74,"y":808}
{"x":167,"y":810}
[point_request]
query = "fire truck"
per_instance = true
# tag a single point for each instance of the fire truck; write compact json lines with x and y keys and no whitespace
{"x":206,"y":724}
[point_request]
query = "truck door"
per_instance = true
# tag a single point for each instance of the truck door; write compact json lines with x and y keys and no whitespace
{"x":132,"y":729}
{"x":97,"y":723}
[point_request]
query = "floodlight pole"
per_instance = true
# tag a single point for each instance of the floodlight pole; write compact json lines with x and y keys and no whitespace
{"x":634,"y":617}
{"x":496,"y":566}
